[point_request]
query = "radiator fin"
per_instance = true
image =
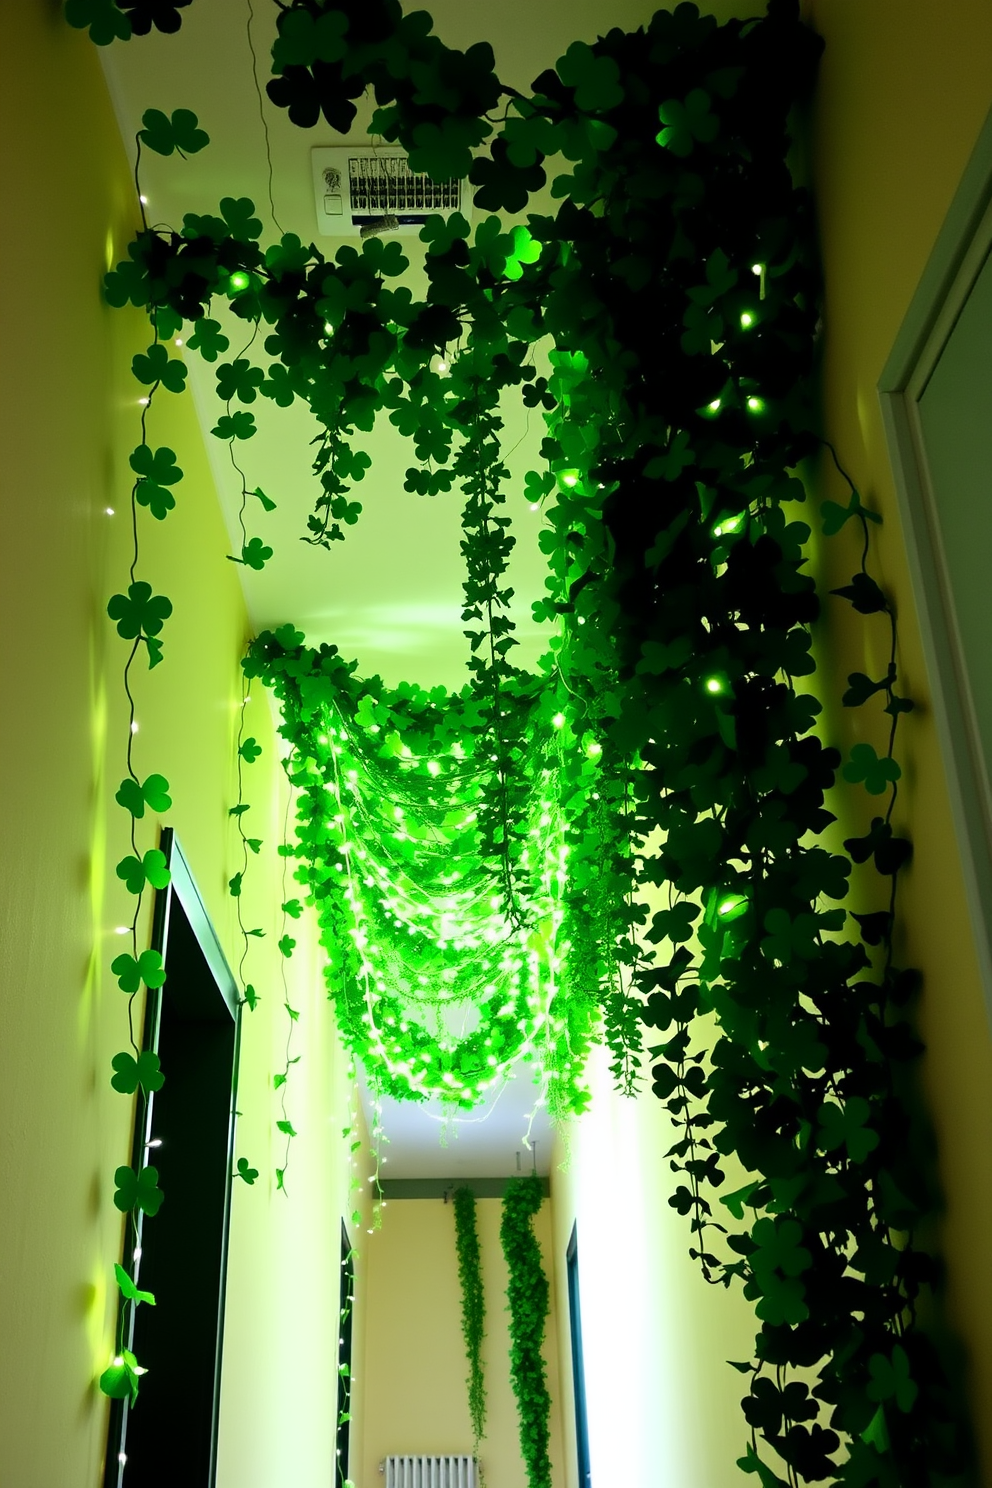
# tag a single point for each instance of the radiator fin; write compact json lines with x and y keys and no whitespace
{"x":430,"y":1472}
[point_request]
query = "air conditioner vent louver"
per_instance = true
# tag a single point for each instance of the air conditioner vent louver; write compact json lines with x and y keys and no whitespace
{"x":362,"y":189}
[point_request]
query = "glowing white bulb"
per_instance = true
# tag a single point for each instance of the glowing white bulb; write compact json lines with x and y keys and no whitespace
{"x":178,"y":341}
{"x":143,"y":200}
{"x":714,"y":405}
{"x":122,"y":929}
{"x":109,"y":510}
{"x":144,"y":402}
{"x":134,"y":728}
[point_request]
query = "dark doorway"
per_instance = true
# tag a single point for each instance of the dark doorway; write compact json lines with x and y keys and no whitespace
{"x":346,"y":1314}
{"x":578,"y":1369}
{"x":193,"y":1024}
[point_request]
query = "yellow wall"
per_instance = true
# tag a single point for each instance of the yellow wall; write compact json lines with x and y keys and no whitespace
{"x":905,"y":86}
{"x":415,"y":1365}
{"x":70,"y":418}
{"x":662,"y":1402}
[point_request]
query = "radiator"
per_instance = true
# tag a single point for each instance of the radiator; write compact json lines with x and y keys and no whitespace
{"x":430,"y":1472}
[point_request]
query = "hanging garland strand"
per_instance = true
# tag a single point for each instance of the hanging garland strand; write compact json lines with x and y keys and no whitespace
{"x":473,"y":1307}
{"x":527,"y":1302}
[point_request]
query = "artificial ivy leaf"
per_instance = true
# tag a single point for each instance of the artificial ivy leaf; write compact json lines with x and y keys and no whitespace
{"x":244,"y":1171}
{"x":596,"y":80}
{"x":254,"y":843}
{"x":251,"y":997}
{"x":208,"y":339}
{"x":255,"y":554}
{"x":120,"y":1380}
{"x":129,"y":1291}
{"x":240,"y":809}
{"x":238,"y":213}
{"x":686,"y":123}
{"x":877,"y":774}
{"x":138,"y":1190}
{"x":131,"y":1072}
{"x":861,"y":687}
{"x":267,"y":503}
{"x":286,"y":1127}
{"x":181,"y":132}
{"x":834,"y":516}
{"x":130,"y":973}
{"x":240,"y":425}
{"x":105,"y":21}
{"x":864,"y":594}
{"x":250,"y":749}
{"x":847,"y":1126}
{"x":891,"y":1379}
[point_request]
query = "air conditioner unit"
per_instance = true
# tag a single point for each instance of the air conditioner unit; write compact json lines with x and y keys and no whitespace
{"x":365,"y":189}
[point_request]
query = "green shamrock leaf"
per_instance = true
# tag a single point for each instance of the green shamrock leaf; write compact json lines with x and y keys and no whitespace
{"x":120,"y":1379}
{"x":105,"y":21}
{"x":776,"y":1264}
{"x":877,"y":774}
{"x":686,"y":123}
{"x":287,"y":945}
{"x":238,"y":213}
{"x":131,"y":1072}
{"x":293,"y":908}
{"x":136,"y":872}
{"x":129,"y":1291}
{"x":234,"y":884}
{"x":167,"y":322}
{"x":443,"y":232}
{"x":289,"y":255}
{"x":155,"y":365}
{"x":526,"y":250}
{"x":788,"y":937}
{"x":138,"y":1190}
{"x":720,"y":279}
{"x":255,"y":554}
{"x":208,"y":339}
{"x":139,"y":612}
{"x":152,"y":792}
{"x":239,"y":380}
{"x":286,"y":1127}
{"x":245,"y":1172}
{"x":891,"y":1379}
{"x":255,"y":843}
{"x":251,"y":997}
{"x":130,"y":973}
{"x":443,"y":150}
{"x":304,"y":39}
{"x":164,"y":135}
{"x":156,"y":465}
{"x":847,"y":1126}
{"x":675,"y":923}
{"x":238,"y":425}
{"x":596,"y":80}
{"x":250,"y":749}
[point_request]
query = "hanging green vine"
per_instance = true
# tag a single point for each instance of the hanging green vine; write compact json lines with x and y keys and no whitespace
{"x":637,"y":835}
{"x":527,"y":1303}
{"x":473,"y":1307}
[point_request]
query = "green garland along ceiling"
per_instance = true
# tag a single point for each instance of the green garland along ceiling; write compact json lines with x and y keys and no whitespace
{"x":633,"y":836}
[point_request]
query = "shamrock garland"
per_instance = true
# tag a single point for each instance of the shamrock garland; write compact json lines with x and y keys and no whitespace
{"x":473,"y":1306}
{"x":527,"y":1294}
{"x":678,"y":289}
